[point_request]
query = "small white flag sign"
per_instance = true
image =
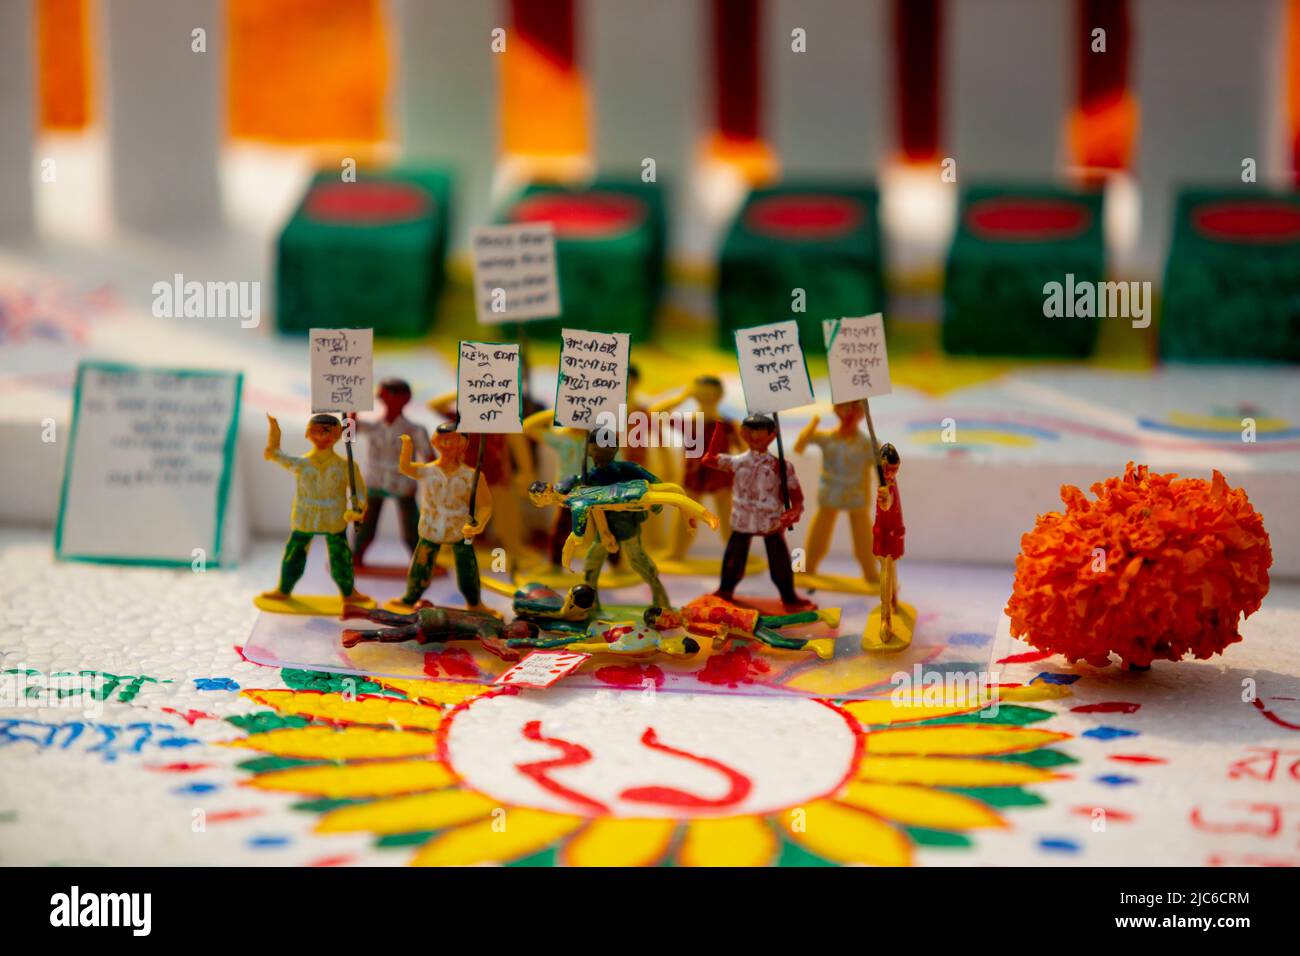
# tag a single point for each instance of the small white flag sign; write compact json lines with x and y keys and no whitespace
{"x":489,"y":397}
{"x":856,"y":360}
{"x":342,"y":370}
{"x":773,"y":371}
{"x":514,"y":273}
{"x":592,"y":376}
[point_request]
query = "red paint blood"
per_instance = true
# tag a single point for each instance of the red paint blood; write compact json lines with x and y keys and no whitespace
{"x":1107,"y":707}
{"x":738,"y":785}
{"x":1137,"y":758}
{"x":190,"y":716}
{"x":630,"y":675}
{"x":571,"y":755}
{"x":735,"y":667}
{"x":1014,"y":219}
{"x":1027,"y":658}
{"x":341,"y":860}
{"x":451,"y":662}
{"x":367,"y":203}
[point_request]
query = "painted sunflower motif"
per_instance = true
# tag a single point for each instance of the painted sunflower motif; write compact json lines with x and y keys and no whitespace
{"x":467,"y":774}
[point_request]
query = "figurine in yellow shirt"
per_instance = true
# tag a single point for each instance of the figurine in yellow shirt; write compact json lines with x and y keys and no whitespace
{"x":320,"y":506}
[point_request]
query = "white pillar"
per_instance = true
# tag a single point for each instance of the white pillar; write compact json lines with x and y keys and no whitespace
{"x":826,"y":107}
{"x":1007,"y":68}
{"x":1206,"y":74}
{"x":646,"y":67}
{"x":17,"y":115}
{"x":448,"y":97}
{"x":163,"y":111}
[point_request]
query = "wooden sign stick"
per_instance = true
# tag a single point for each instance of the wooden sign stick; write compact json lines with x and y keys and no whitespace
{"x":875,"y":445}
{"x":780,"y":458}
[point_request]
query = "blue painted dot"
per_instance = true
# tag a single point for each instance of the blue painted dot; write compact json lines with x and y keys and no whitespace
{"x":215,"y":683}
{"x":197,"y":788}
{"x":1116,"y":780}
{"x":1109,"y":733}
{"x":1047,"y":677}
{"x":1058,"y":845}
{"x":177,"y":742}
{"x":970,"y":639}
{"x":268,"y":842}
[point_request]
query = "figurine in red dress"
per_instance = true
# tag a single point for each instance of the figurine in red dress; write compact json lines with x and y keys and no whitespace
{"x":887,"y":541}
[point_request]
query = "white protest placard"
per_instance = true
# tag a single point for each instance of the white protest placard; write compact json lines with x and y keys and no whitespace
{"x":342,"y":370}
{"x":151,"y":462}
{"x":773,"y":371}
{"x":514,"y":273}
{"x":856,"y":361}
{"x":541,"y":669}
{"x":592,"y":377}
{"x":489,"y":396}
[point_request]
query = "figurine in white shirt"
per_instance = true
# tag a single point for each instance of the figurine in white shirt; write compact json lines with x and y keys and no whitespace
{"x":383,"y":479}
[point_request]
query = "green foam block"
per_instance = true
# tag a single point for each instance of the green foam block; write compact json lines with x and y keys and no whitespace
{"x":368,"y":253}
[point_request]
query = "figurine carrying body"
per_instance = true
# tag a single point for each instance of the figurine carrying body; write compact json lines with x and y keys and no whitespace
{"x":320,"y":506}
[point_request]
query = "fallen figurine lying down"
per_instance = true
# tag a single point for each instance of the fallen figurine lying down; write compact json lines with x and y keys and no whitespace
{"x":546,"y":619}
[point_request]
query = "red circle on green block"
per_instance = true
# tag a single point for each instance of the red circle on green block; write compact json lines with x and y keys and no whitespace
{"x":804,"y":216}
{"x":593,"y":215}
{"x":1255,"y":221}
{"x":367,"y":203}
{"x":1028,"y":220}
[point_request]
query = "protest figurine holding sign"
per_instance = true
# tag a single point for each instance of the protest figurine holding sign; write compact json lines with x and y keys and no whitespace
{"x":330,"y":491}
{"x":325,"y":481}
{"x":766,"y":496}
{"x":858,"y":367}
{"x":453,"y":510}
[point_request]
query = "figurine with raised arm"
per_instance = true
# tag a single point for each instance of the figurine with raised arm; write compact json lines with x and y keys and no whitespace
{"x":383,"y":480}
{"x":843,"y":488}
{"x":699,"y":476}
{"x":614,"y":503}
{"x":507,"y":471}
{"x":889,"y":626}
{"x":321,"y":508}
{"x":757,"y":509}
{"x":446,"y":487}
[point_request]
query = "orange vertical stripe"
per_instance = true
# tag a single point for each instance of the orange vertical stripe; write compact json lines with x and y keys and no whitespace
{"x":63,"y":50}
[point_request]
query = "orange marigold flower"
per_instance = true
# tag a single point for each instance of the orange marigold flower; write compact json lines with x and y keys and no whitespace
{"x":1156,"y":567}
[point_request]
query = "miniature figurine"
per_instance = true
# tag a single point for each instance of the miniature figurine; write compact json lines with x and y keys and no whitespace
{"x":383,"y":480}
{"x":548,"y":608}
{"x":320,"y":506}
{"x":711,"y":616}
{"x":700,"y":478}
{"x":843,"y":487}
{"x":507,"y":470}
{"x":895,"y":620}
{"x":446,"y":487}
{"x":757,"y":509}
{"x":569,"y":445}
{"x":617,"y":497}
{"x":433,"y":625}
